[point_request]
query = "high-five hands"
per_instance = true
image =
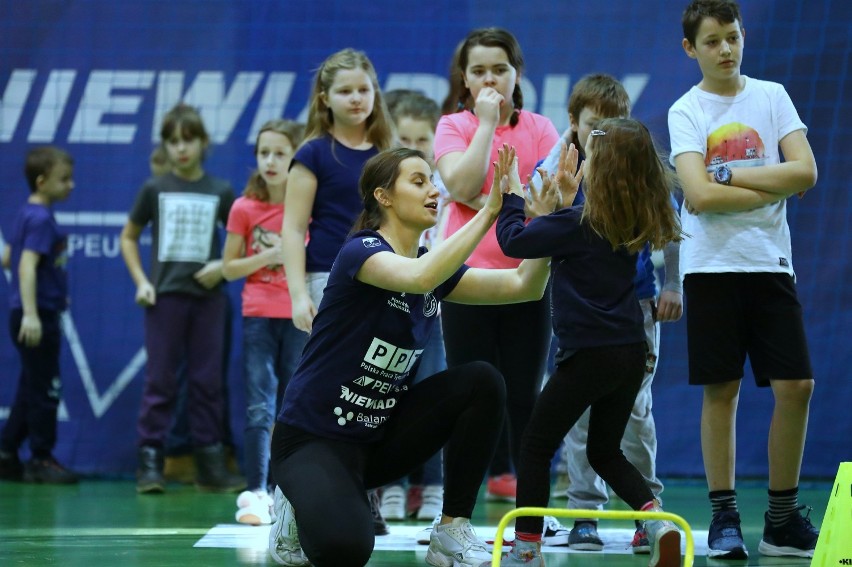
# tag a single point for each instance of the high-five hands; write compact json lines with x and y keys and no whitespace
{"x":543,"y":201}
{"x":568,"y":175}
{"x":506,"y":179}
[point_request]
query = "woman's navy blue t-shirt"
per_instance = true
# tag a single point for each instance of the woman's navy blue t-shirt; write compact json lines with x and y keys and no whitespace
{"x":363,"y":351}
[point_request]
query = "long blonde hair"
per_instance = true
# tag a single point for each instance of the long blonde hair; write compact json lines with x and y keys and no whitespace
{"x":320,"y":119}
{"x":628,"y":187}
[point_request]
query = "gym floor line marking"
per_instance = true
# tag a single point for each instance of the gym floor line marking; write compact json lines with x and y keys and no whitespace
{"x":54,"y":532}
{"x":403,"y":538}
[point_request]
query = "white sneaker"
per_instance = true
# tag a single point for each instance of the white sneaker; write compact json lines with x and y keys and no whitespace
{"x":455,"y":545}
{"x":433,"y":502}
{"x":284,"y":546}
{"x":424,"y":536}
{"x":254,"y":508}
{"x":554,"y":533}
{"x":393,"y":503}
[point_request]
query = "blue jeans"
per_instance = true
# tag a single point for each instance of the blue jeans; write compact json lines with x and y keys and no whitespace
{"x":271,"y":351}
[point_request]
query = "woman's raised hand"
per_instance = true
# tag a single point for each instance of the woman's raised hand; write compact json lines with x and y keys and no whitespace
{"x":506,"y":179}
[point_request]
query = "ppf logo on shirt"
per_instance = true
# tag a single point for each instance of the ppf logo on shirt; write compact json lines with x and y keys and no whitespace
{"x":386,"y":356}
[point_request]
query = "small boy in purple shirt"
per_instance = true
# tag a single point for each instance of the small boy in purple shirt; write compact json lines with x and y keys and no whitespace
{"x":37,"y":254}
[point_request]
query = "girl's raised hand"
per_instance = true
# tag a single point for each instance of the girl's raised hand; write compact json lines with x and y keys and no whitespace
{"x":545,"y":201}
{"x":568,"y":175}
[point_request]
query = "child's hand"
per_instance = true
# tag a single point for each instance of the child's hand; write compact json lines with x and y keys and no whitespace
{"x":210,"y":275}
{"x":545,"y":201}
{"x":273,"y":256}
{"x":487,"y":106}
{"x":670,"y":306}
{"x":30,"y":333}
{"x":146,"y":296}
{"x":568,"y":175}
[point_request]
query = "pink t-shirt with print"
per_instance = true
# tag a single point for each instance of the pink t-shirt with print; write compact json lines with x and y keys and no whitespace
{"x":532,"y":138}
{"x":265,"y":293}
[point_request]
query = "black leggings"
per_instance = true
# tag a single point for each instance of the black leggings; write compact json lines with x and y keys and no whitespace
{"x":514,"y":338}
{"x":607,"y":379}
{"x":326,"y":479}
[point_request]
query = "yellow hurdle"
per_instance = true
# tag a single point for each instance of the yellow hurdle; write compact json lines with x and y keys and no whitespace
{"x":689,"y":552}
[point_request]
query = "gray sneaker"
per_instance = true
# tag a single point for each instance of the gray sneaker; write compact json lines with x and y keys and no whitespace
{"x":664,"y":539}
{"x":455,"y":545}
{"x":284,"y":546}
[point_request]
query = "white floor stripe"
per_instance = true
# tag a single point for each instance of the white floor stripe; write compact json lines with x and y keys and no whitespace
{"x":253,"y":540}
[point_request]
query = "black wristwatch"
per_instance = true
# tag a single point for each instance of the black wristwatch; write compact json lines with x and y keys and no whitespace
{"x":722,"y":175}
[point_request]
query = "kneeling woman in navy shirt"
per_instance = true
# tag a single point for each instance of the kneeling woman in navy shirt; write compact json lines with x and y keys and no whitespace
{"x":351,"y":420}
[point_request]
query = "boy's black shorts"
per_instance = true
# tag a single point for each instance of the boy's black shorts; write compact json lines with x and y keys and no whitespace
{"x":733,"y":315}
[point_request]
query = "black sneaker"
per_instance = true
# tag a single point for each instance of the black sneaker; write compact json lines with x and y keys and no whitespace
{"x":797,"y":537}
{"x":725,"y":538}
{"x":11,"y":467}
{"x":48,"y":471}
{"x":584,"y":536}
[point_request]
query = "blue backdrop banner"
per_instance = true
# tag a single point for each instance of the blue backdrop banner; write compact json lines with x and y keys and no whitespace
{"x":95,"y":77}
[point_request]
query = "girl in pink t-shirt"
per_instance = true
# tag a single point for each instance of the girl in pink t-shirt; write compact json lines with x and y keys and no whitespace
{"x":515,"y":338}
{"x":271,"y":343}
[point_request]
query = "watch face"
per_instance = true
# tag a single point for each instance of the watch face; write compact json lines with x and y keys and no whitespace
{"x":723,"y":174}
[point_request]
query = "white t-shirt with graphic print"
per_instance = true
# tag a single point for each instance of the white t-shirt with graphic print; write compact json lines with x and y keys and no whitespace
{"x":741,"y":131}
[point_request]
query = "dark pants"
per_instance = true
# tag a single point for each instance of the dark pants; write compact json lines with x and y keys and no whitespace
{"x":606,"y":379}
{"x":183,"y":327}
{"x":515,"y":339}
{"x":325,"y":479}
{"x":33,"y":413}
{"x":179,"y":440}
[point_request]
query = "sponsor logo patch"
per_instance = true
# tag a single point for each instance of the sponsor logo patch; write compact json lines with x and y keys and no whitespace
{"x":343,"y":419}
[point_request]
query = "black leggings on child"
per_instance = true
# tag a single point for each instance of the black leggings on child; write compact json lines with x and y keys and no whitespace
{"x":607,"y":379}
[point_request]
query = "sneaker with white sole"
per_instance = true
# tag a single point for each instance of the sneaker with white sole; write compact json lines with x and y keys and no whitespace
{"x":393,"y":503}
{"x":640,"y":544}
{"x":725,"y":536}
{"x":584,"y":536}
{"x":432,"y":503}
{"x":554,"y":533}
{"x":284,"y":546}
{"x":254,"y":508}
{"x":455,"y":545}
{"x":664,"y":540}
{"x":797,"y":537}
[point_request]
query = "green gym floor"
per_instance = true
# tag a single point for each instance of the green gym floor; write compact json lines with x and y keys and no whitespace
{"x":104,"y":523}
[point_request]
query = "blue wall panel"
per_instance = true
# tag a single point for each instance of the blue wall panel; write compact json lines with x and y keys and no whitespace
{"x":95,"y":77}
